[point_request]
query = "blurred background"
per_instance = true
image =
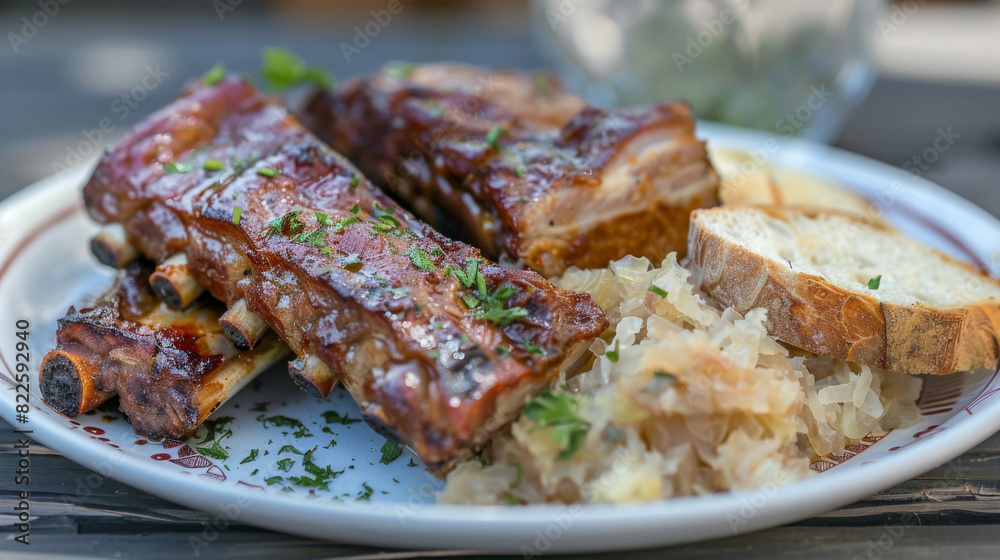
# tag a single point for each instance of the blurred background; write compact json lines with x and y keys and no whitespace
{"x":884,"y":79}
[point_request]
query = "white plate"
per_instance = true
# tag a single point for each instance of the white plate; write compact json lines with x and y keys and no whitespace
{"x":45,"y":266}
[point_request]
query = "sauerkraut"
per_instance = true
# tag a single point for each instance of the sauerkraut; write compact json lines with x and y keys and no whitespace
{"x":681,"y":398}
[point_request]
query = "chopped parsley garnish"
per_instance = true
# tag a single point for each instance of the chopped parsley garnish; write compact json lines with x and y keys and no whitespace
{"x":213,"y":165}
{"x":412,"y":463}
{"x":503,"y":317}
{"x":282,"y":69}
{"x":354,"y":182}
{"x":286,"y":422}
{"x":344,"y":222}
{"x":391,"y":449}
{"x":420,"y":258}
{"x":286,"y":225}
{"x":289,"y":449}
{"x":285,"y":464}
{"x":874,"y":282}
{"x":502,"y":351}
{"x":400,"y":292}
{"x":494,"y":135}
{"x":557,"y":413}
{"x":334,"y":417}
{"x":531,"y":348}
{"x":517,"y":481}
{"x":542,"y":82}
{"x":267,"y":172}
{"x":520,"y":171}
{"x":214,"y":74}
{"x":316,"y":237}
{"x":659,"y":291}
{"x":488,"y":306}
{"x":251,"y":457}
{"x":613,"y":354}
{"x":321,"y":476}
{"x":240,"y":165}
{"x":323,"y":220}
{"x":468,"y":276}
{"x":170,"y":168}
{"x":237,"y":213}
{"x":366,"y":494}
{"x":273,"y":480}
{"x":356,"y":208}
{"x":215,"y":452}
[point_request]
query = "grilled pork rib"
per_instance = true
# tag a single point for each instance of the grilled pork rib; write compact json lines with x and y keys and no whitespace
{"x":518,"y":166}
{"x":439,"y":347}
{"x":170,"y":369}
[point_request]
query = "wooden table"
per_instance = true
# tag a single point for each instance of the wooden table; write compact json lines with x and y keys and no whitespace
{"x":951,"y":512}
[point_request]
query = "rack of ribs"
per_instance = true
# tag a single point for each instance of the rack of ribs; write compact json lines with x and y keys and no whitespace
{"x":515,"y":165}
{"x":229,"y":193}
{"x":170,"y":369}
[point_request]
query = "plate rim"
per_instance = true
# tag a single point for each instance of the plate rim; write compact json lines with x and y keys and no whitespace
{"x":591,"y":527}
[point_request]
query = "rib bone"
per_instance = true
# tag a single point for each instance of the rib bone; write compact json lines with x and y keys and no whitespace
{"x":174,"y":284}
{"x":243,"y":326}
{"x":111,"y":248}
{"x":312,"y":375}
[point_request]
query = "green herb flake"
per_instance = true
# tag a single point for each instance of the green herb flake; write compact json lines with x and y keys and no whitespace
{"x":873,"y":284}
{"x":289,"y":449}
{"x":237,"y":213}
{"x":287,"y":225}
{"x":214,"y":74}
{"x":171,"y":168}
{"x":557,"y":413}
{"x":502,"y":351}
{"x":420,"y":258}
{"x":659,"y":291}
{"x":251,"y":457}
{"x":334,"y":417}
{"x":273,"y":480}
{"x":412,"y":463}
{"x":494,"y":135}
{"x":613,"y":354}
{"x":391,"y":450}
{"x":267,"y":172}
{"x":344,"y":222}
{"x":286,"y":422}
{"x":355,"y":181}
{"x":213,"y":165}
{"x":282,"y":69}
{"x":215,"y":452}
{"x":356,"y":208}
{"x":531,"y":348}
{"x":285,"y":464}
{"x":366,"y":494}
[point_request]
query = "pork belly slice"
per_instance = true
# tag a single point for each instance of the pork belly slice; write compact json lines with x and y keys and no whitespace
{"x":170,"y":369}
{"x":515,"y":165}
{"x":440,"y":347}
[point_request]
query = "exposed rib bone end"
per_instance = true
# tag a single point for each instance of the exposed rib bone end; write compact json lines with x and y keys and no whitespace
{"x":111,"y":248}
{"x":68,"y":380}
{"x":312,"y":376}
{"x":242,"y":326}
{"x":173,"y":282}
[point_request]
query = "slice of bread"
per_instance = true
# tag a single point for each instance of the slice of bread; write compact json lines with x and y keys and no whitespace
{"x":815,"y":272}
{"x":744,"y":181}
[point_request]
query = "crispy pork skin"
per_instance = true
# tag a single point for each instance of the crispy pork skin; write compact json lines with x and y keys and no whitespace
{"x":170,"y":369}
{"x":439,"y":346}
{"x":515,"y":165}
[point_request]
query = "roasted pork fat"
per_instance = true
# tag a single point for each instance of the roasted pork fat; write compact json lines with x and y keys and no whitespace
{"x":439,"y":346}
{"x":513,"y":164}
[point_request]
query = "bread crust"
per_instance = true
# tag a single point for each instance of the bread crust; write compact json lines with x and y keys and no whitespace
{"x":809,"y":312}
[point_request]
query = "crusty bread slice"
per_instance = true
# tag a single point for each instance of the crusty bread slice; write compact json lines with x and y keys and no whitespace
{"x":811,"y":270}
{"x":744,"y":181}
